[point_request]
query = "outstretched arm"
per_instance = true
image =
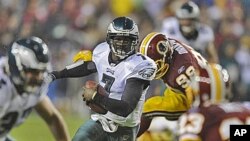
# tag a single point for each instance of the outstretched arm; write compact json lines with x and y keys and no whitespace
{"x":78,"y":69}
{"x":53,"y":118}
{"x":83,"y":65}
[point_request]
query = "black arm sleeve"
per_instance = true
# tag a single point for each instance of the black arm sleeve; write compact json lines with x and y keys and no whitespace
{"x":131,"y":95}
{"x":78,"y":69}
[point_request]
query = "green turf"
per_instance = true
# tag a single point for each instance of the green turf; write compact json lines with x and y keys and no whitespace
{"x":35,"y":129}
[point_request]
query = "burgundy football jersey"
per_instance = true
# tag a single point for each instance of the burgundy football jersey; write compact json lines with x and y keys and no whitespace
{"x":182,"y":66}
{"x":186,"y":63}
{"x":212,"y":123}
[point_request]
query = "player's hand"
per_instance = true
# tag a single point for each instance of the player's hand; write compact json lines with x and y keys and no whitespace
{"x":88,"y":93}
{"x":49,"y":78}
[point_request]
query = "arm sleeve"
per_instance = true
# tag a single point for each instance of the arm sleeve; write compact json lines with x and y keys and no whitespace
{"x":132,"y":94}
{"x":78,"y":69}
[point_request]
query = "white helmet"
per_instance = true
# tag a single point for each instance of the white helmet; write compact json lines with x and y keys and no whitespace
{"x":28,"y":55}
{"x":127,"y":30}
{"x":188,"y":10}
{"x":188,"y":16}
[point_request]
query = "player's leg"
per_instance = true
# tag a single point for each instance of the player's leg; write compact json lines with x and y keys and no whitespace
{"x":160,"y":130}
{"x":8,"y":138}
{"x":124,"y":134}
{"x":171,"y":105}
{"x":90,"y":131}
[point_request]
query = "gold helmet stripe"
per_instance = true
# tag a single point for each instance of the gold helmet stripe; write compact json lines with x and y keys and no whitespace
{"x":217,"y":84}
{"x":146,"y":41}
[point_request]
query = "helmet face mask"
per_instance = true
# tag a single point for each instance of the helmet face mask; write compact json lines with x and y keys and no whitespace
{"x":28,"y":61}
{"x":122,"y":37}
{"x":188,"y":26}
{"x":122,"y":46}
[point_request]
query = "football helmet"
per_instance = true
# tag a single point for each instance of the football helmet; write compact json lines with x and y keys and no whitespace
{"x":122,"y":37}
{"x":188,"y":15}
{"x":28,"y":61}
{"x":158,"y":47}
{"x":219,"y":83}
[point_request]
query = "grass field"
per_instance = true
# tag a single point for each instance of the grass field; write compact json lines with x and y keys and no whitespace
{"x":35,"y":129}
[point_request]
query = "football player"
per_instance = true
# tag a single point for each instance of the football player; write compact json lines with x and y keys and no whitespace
{"x":211,"y":122}
{"x":187,"y":28}
{"x":23,"y":88}
{"x":123,"y":73}
{"x":179,"y":66}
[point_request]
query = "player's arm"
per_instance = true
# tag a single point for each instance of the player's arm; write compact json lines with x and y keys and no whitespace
{"x":212,"y":53}
{"x":83,"y":66}
{"x":53,"y":119}
{"x":78,"y":69}
{"x":131,"y":95}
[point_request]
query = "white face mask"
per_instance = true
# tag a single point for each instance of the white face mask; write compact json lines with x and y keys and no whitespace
{"x":31,"y":89}
{"x":187,"y":29}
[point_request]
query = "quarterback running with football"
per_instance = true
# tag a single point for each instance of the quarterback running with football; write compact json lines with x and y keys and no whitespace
{"x":23,"y":88}
{"x":185,"y":72}
{"x":123,"y":73}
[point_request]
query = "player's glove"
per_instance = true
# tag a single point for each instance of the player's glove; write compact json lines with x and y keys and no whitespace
{"x":49,"y":78}
{"x":89,"y":93}
{"x":90,"y":90}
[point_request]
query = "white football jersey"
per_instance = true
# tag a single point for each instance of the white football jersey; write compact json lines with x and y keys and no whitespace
{"x":170,"y":28}
{"x":14,"y":107}
{"x":113,"y":78}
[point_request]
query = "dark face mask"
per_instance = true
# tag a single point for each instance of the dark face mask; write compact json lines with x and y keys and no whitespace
{"x":122,"y":46}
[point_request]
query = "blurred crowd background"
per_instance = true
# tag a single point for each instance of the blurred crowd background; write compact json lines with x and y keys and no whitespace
{"x":68,"y":26}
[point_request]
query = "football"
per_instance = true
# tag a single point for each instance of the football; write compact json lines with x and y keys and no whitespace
{"x":95,"y":107}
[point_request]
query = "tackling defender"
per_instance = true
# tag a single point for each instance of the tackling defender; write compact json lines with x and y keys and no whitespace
{"x":186,"y":74}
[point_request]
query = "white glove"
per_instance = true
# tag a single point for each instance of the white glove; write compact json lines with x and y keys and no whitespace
{"x":49,"y":78}
{"x":88,"y":93}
